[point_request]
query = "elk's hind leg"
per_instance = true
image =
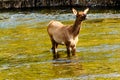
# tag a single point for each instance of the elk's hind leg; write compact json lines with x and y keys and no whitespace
{"x":54,"y":49}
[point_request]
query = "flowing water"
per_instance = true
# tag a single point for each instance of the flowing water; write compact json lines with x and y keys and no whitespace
{"x":25,"y":47}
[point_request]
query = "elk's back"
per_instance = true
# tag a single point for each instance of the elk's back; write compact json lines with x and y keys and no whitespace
{"x":53,"y":26}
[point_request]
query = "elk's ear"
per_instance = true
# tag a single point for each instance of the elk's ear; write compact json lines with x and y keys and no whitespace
{"x":86,"y":10}
{"x":74,"y":11}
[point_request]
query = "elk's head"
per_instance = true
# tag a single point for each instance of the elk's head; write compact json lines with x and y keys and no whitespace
{"x":80,"y":15}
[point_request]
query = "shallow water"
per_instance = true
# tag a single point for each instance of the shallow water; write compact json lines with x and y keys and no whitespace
{"x":103,"y":48}
{"x":25,"y":48}
{"x":92,"y":77}
{"x":9,"y":19}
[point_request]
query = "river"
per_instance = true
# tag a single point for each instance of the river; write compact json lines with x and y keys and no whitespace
{"x":25,"y":46}
{"x":12,"y":19}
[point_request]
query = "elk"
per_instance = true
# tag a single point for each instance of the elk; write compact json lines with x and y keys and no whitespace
{"x":66,"y":35}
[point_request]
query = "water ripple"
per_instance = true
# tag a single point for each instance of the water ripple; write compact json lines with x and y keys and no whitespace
{"x":13,"y":20}
{"x":103,"y":47}
{"x":92,"y":77}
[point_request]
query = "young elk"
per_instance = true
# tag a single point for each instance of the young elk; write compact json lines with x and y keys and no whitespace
{"x":67,"y":35}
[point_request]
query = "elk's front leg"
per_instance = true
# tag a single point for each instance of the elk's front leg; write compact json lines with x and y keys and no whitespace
{"x":68,"y":49}
{"x":73,"y":50}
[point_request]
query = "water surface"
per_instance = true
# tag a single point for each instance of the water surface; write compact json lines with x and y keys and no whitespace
{"x":25,"y":48}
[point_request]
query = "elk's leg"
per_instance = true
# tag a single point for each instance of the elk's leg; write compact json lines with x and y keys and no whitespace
{"x":54,"y":49}
{"x":68,"y":49}
{"x":73,"y":50}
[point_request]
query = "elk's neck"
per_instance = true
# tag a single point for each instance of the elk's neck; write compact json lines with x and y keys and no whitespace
{"x":76,"y":27}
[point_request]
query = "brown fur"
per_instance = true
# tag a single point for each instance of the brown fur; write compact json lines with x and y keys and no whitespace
{"x":67,"y":35}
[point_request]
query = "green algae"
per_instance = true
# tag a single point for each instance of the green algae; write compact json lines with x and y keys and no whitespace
{"x":25,"y":53}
